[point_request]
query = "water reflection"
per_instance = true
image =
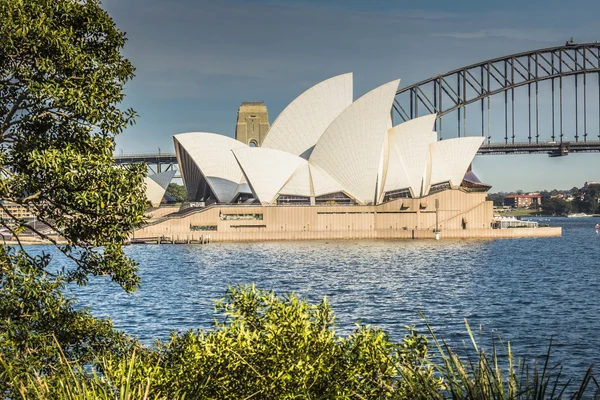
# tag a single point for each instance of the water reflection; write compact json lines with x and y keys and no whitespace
{"x":527,"y":289}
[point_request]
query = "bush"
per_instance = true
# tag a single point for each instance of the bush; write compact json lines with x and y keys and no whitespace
{"x":268,"y":347}
{"x":34,"y":314}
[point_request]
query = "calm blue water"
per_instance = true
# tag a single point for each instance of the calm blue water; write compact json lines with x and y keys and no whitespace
{"x":528,"y":290}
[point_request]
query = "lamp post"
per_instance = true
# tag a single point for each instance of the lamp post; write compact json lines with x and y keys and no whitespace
{"x":437,"y":229}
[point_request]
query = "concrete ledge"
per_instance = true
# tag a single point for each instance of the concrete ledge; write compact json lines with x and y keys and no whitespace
{"x":32,"y":241}
{"x":260,"y":236}
{"x":493,"y":233}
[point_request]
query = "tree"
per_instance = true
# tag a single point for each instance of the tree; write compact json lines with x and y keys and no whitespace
{"x":545,"y":195}
{"x":587,"y":201}
{"x":61,"y":80}
{"x":177,"y":192}
{"x":497,"y":198}
{"x":555,"y":206}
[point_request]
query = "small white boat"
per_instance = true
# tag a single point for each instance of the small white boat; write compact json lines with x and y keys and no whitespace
{"x":579,"y":215}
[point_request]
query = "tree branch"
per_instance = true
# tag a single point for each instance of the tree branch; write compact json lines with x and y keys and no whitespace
{"x":31,"y":197}
{"x":16,"y":236}
{"x":41,"y":235}
{"x":15,"y":107}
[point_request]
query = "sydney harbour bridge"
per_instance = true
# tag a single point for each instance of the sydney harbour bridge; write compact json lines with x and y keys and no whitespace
{"x":540,"y":101}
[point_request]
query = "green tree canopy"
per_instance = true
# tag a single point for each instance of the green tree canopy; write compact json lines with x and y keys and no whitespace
{"x":177,"y":192}
{"x":497,"y":198}
{"x":556,"y":206}
{"x":61,"y":81}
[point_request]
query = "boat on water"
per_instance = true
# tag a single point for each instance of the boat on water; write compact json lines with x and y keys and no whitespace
{"x":579,"y":215}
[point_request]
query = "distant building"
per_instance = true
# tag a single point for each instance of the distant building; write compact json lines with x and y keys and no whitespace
{"x":563,"y":196}
{"x":588,"y":184}
{"x":252,"y":124}
{"x":523,"y":200}
{"x":10,"y":210}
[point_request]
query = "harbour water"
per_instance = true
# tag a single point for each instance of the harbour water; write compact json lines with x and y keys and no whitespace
{"x":527,"y":290}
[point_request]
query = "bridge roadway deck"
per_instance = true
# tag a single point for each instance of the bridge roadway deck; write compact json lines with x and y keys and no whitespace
{"x":149,"y":158}
{"x":554,"y":149}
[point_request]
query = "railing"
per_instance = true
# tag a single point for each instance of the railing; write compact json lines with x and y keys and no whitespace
{"x":162,"y":158}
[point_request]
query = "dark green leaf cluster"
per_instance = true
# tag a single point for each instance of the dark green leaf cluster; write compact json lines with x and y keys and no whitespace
{"x":497,"y":198}
{"x":35,"y":315}
{"x":556,"y":206}
{"x":177,"y":192}
{"x":61,"y":79}
{"x":587,"y":200}
{"x":285,"y":348}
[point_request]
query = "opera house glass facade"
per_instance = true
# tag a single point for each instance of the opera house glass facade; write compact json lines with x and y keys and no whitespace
{"x":332,"y":167}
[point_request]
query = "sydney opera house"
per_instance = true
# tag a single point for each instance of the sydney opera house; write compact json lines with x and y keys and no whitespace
{"x":331,"y":167}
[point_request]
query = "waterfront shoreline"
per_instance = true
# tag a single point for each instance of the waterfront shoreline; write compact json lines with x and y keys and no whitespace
{"x":33,"y":242}
{"x":349,"y":235}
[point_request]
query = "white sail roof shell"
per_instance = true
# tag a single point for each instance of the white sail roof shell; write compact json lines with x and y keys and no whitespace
{"x":156,"y":186}
{"x":306,"y":180}
{"x":408,"y":154}
{"x":350,"y":149}
{"x":309,"y":180}
{"x":322,"y":183}
{"x":450,"y":159}
{"x":154,"y":191}
{"x":163,"y":178}
{"x":396,"y":177}
{"x":299,"y":183}
{"x":266,"y":170}
{"x":211,"y":154}
{"x":300,"y":125}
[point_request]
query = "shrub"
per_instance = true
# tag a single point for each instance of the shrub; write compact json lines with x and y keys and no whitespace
{"x":269,"y":347}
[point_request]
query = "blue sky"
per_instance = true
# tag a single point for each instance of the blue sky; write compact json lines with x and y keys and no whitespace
{"x":198,"y":60}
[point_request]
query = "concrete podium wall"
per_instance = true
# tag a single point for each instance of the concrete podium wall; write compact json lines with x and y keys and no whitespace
{"x":460,"y":215}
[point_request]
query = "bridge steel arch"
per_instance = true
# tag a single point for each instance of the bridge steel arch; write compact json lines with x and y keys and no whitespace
{"x":477,"y":83}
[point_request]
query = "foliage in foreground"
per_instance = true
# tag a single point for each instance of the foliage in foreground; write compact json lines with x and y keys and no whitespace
{"x":61,"y":80}
{"x":267,"y":347}
{"x":35,"y":314}
{"x":62,"y":76}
